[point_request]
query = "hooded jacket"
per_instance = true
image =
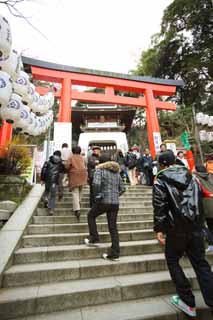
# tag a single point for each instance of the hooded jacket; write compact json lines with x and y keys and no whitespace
{"x":51,"y":170}
{"x":107,"y":183}
{"x":207,"y":193}
{"x":176,"y":201}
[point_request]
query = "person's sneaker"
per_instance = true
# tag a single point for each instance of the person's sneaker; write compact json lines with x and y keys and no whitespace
{"x":106,"y":256}
{"x":60,"y":197}
{"x":178,"y":303}
{"x":90,"y":243}
{"x":209,"y":249}
{"x":50,"y":212}
{"x":45,"y":203}
{"x":77,"y":213}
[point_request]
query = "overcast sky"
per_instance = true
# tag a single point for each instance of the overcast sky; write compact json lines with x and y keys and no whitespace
{"x":97,"y":34}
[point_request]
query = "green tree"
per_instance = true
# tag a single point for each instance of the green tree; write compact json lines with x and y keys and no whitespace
{"x":183,"y":50}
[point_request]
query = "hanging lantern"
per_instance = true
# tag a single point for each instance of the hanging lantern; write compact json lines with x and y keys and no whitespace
{"x":11,"y":112}
{"x":5,"y":39}
{"x":12,"y":65}
{"x":22,"y":122}
{"x":210,"y":123}
{"x":205,"y":120}
{"x":5,"y":88}
{"x":199,"y":117}
{"x":35,"y":104}
{"x":203,"y":135}
{"x":20,"y":86}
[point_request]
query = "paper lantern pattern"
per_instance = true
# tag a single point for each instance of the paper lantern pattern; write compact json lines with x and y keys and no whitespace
{"x":20,"y":104}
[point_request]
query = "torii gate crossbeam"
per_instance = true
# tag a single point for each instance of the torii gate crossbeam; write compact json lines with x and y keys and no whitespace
{"x":148,"y":88}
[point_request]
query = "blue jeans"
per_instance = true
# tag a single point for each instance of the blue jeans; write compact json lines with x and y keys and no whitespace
{"x":50,"y":194}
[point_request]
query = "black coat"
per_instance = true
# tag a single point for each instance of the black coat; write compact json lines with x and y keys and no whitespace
{"x":93,"y":161}
{"x":177,"y":201}
{"x":51,"y":170}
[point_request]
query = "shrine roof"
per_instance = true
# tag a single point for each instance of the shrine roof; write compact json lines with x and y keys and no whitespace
{"x":27,"y":61}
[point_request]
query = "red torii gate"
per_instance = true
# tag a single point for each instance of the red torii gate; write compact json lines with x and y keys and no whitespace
{"x":146,"y":86}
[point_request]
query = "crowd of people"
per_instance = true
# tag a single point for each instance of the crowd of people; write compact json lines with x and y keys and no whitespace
{"x":182,"y":202}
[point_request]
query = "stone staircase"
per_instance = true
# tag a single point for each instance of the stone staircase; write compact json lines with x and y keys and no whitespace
{"x":54,"y":276}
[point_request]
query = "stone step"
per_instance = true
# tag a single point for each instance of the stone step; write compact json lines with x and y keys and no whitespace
{"x":72,"y":219}
{"x":68,"y":238}
{"x":69,"y":211}
{"x":64,"y":295}
{"x":29,"y":274}
{"x":85,"y":205}
{"x":78,"y":252}
{"x":83,"y":227}
{"x":122,"y":198}
{"x":40,"y":273}
{"x":159,"y":308}
{"x":128,"y":191}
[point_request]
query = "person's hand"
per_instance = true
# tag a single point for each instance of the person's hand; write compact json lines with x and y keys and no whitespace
{"x":160,"y":238}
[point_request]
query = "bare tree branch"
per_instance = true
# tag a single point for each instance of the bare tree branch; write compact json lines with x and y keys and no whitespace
{"x":10,"y":4}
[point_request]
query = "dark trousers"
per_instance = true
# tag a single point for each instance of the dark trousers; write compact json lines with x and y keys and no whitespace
{"x":209,"y":222}
{"x":149,"y":176}
{"x":50,"y":195}
{"x":112,"y":211}
{"x":91,"y":194}
{"x":192,"y":244}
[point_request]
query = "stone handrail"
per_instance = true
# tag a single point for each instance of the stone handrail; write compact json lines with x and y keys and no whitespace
{"x":11,"y":233}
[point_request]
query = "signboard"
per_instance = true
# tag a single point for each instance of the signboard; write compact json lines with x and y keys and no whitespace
{"x":157,"y":141}
{"x":102,"y":125}
{"x":62,"y":134}
{"x":171,"y":146}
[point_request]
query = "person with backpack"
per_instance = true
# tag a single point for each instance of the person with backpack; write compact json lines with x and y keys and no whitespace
{"x":145,"y":167}
{"x":207,"y":191}
{"x":178,"y":224}
{"x":50,"y":175}
{"x":131,"y":163}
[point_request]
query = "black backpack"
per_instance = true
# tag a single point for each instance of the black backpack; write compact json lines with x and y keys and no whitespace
{"x":131,"y":161}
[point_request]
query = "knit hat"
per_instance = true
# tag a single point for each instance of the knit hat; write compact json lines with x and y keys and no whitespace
{"x":166,"y":158}
{"x":96,"y":147}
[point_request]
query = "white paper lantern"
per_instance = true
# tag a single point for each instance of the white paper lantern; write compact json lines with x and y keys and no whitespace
{"x":5,"y":39}
{"x":205,"y":119}
{"x":12,"y":65}
{"x":35,"y":104}
{"x":210,"y":123}
{"x":199,"y":117}
{"x":30,"y":124}
{"x":22,"y":122}
{"x":203,"y":135}
{"x":11,"y":112}
{"x":5,"y":88}
{"x":20,"y":86}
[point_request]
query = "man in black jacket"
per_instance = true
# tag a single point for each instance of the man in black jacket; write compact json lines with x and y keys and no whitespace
{"x":177,"y":214}
{"x":50,"y":174}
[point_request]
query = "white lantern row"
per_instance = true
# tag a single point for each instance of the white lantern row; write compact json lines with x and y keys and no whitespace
{"x":18,"y":99}
{"x":206,"y":136}
{"x":23,"y":119}
{"x":204,"y":119}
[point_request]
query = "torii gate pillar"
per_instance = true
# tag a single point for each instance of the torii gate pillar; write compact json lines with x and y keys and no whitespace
{"x":5,"y":136}
{"x":65,"y":101}
{"x":152,"y":123}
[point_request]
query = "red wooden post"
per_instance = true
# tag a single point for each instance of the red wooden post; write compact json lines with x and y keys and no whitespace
{"x":152,"y":120}
{"x":65,"y":105}
{"x":5,"y":136}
